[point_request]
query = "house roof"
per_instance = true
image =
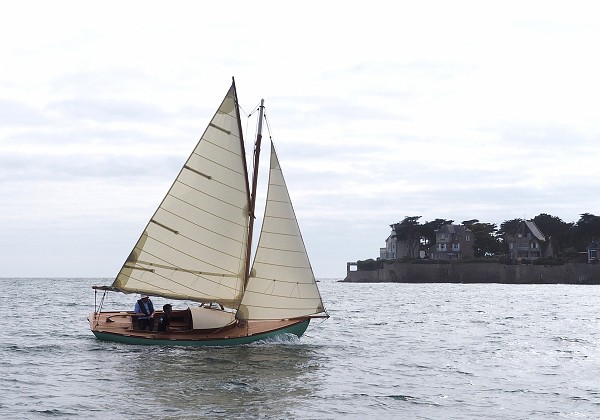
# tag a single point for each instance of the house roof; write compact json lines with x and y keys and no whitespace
{"x":595,"y":244}
{"x":535,"y":230}
{"x":449,"y":228}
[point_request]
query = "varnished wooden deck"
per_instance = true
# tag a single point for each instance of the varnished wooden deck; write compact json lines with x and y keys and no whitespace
{"x":122,"y":324}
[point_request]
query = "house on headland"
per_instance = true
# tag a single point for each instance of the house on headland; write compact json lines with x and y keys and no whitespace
{"x":394,"y":248}
{"x":389,"y":252}
{"x":452,"y":242}
{"x":593,"y":252}
{"x":529,"y":243}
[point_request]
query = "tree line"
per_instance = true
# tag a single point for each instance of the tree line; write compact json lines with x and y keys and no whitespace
{"x":490,"y":239}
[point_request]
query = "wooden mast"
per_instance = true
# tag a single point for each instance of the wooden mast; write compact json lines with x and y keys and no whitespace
{"x":253,"y":193}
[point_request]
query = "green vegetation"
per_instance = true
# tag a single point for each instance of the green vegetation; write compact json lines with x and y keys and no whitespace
{"x":369,"y":265}
{"x":489,"y":239}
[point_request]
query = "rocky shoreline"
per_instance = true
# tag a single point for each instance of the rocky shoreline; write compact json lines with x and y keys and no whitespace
{"x":402,"y":272}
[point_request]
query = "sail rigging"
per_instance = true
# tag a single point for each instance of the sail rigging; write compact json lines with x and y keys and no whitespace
{"x":252,"y":212}
{"x":197,"y":245}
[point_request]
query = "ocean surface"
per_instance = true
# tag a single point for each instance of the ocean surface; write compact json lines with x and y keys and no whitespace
{"x":395,"y":351}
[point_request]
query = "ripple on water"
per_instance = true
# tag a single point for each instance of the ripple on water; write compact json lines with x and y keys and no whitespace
{"x":424,"y":351}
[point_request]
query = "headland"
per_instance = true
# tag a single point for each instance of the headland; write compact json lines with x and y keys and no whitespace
{"x":475,"y":272}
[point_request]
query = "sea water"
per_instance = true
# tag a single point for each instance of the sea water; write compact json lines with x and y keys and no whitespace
{"x":397,"y":351}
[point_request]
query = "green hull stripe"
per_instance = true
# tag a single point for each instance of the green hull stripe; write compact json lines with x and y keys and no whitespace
{"x":296,"y":329}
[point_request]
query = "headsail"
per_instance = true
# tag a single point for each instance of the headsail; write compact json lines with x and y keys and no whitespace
{"x":194,"y":246}
{"x":282,"y":283}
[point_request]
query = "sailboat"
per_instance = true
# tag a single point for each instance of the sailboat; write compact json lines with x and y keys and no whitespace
{"x":196,"y":249}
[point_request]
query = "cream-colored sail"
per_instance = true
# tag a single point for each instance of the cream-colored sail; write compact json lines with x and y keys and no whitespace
{"x":282,"y":283}
{"x":194,"y":246}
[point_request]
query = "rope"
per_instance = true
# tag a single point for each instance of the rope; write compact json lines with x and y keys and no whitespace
{"x":256,"y":108}
{"x":98,"y":307}
{"x":268,"y":127}
{"x":246,"y":138}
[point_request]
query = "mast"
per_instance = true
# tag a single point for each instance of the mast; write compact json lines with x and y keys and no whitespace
{"x":253,"y":192}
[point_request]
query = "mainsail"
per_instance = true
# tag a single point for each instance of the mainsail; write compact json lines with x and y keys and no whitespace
{"x":282,"y":283}
{"x":194,"y":247}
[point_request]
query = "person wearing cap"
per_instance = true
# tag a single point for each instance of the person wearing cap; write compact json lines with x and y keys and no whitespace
{"x":145,"y":308}
{"x":164,"y":321}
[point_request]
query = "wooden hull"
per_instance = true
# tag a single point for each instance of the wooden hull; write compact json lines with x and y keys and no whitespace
{"x":118,"y":327}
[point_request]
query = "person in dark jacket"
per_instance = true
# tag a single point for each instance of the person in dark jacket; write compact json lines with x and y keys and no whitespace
{"x":145,"y":308}
{"x":164,"y":322}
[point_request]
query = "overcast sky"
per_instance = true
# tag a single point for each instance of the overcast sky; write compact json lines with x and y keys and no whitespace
{"x":379,"y":110}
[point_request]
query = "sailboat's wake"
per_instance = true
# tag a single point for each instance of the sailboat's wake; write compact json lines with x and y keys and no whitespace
{"x":279,"y":339}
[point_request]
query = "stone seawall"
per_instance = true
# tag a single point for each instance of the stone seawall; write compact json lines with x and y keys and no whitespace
{"x":479,"y":273}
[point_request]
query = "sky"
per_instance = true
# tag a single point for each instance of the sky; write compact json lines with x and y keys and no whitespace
{"x":379,"y":110}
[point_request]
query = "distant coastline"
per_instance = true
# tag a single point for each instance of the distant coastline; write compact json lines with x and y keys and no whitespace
{"x":407,"y":272}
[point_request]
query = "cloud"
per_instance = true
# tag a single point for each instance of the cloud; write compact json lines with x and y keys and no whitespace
{"x":107,"y":110}
{"x":17,"y":114}
{"x":469,"y":111}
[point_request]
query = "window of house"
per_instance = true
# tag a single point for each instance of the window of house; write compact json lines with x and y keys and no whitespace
{"x":441,"y":247}
{"x":467,"y":238}
{"x":455,"y":247}
{"x":534,"y":245}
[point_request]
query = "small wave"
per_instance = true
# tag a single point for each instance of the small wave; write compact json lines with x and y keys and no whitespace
{"x":571,"y":340}
{"x":462,"y":372}
{"x":518,"y":391}
{"x":34,"y":349}
{"x":278,"y":339}
{"x":231,"y":385}
{"x":53,"y":412}
{"x":402,"y":397}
